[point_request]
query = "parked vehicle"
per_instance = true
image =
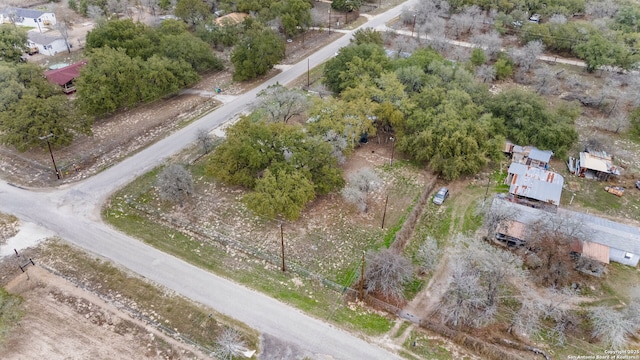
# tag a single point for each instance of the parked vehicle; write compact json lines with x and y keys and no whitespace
{"x":441,"y":196}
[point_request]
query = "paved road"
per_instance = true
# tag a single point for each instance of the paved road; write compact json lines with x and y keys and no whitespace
{"x":73,"y":212}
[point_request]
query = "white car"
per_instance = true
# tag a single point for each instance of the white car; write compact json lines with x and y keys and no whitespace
{"x":441,"y":196}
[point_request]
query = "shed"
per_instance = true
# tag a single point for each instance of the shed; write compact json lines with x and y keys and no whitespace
{"x":534,"y":183}
{"x":65,"y":76}
{"x":528,"y":155}
{"x":596,"y":165}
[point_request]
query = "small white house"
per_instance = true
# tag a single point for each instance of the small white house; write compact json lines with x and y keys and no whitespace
{"x":47,"y":44}
{"x":28,"y":17}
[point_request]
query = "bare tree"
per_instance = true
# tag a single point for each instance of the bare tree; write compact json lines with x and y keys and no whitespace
{"x":281,"y":103}
{"x":95,"y":12}
{"x":479,"y":275}
{"x":526,"y":56}
{"x":428,"y":254}
{"x":486,"y":73}
{"x":360,"y":184}
{"x":464,"y":297}
{"x":386,"y":274}
{"x":526,"y":322}
{"x":491,"y":43}
{"x":230,"y":344}
{"x":355,"y":197}
{"x":546,"y":81}
{"x":434,"y":27}
{"x":339,"y":144}
{"x":63,"y":28}
{"x":175,"y":183}
{"x":558,"y":19}
{"x":612,"y":327}
{"x":602,"y":8}
{"x":365,"y":180}
{"x":116,"y":7}
{"x":460,"y":24}
{"x":205,"y":140}
{"x":153,"y":6}
{"x":548,"y":250}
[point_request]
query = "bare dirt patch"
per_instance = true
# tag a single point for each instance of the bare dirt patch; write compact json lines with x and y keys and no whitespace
{"x":63,"y":321}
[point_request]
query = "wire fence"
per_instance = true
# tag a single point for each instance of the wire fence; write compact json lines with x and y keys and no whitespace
{"x":207,"y":235}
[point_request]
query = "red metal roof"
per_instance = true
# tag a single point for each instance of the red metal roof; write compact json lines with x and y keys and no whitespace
{"x":65,"y":74}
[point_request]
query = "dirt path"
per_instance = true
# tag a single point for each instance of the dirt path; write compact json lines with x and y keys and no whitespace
{"x":426,"y":301}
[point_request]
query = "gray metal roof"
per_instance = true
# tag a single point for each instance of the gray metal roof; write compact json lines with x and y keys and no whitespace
{"x":25,"y":13}
{"x":535,"y":183}
{"x":601,"y":231}
{"x":540,"y":155}
{"x":43,"y":39}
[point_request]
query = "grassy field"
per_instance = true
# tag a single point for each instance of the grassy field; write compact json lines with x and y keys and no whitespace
{"x":10,"y":312}
{"x":263,"y":274}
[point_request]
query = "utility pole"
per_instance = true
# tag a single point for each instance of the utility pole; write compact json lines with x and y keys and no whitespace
{"x":282,"y":242}
{"x":384,"y":214}
{"x":414,"y":24}
{"x":55,"y":167}
{"x":393,"y":149}
{"x":362,"y":279}
{"x":329,"y":17}
{"x":308,"y":82}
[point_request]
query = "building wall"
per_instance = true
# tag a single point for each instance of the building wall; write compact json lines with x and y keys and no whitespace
{"x":57,"y":46}
{"x":619,"y":257}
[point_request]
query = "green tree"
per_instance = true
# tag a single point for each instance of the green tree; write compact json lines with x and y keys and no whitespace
{"x":527,"y":120}
{"x":478,"y":57}
{"x":108,"y":82}
{"x":449,"y":132}
{"x":24,"y":122}
{"x":367,"y":36}
{"x":597,"y":51}
{"x":188,"y":48}
{"x":281,"y":194}
{"x":504,"y":68}
{"x":355,"y":64}
{"x":162,"y":76}
{"x":347,"y":5}
{"x":295,"y":15}
{"x":13,"y":42}
{"x":137,"y":39}
{"x":192,"y":12}
{"x":257,"y":52}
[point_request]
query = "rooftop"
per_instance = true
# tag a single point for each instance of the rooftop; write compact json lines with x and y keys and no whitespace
{"x":44,"y":38}
{"x":601,"y":231}
{"x":535,"y":183}
{"x":598,"y":161}
{"x":25,"y":13}
{"x":64,"y":75}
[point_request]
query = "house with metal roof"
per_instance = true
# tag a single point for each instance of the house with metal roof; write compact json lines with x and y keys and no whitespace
{"x":603,"y":240}
{"x":28,"y":17}
{"x":528,"y":155}
{"x":526,"y":181}
{"x":65,"y":76}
